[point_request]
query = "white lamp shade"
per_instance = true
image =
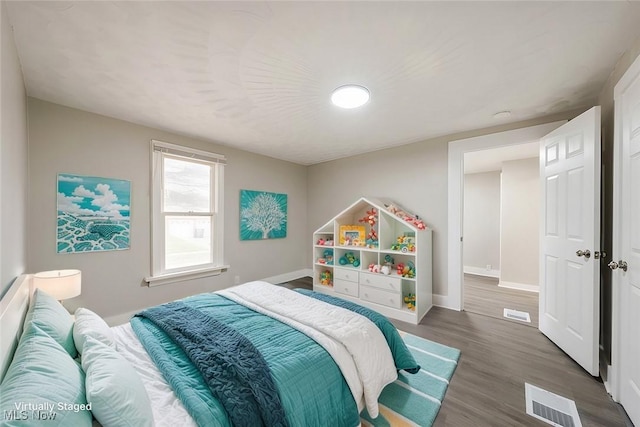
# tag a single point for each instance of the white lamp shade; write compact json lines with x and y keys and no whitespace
{"x":60,"y":284}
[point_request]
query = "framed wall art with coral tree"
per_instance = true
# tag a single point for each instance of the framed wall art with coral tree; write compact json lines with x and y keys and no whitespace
{"x":263,"y":215}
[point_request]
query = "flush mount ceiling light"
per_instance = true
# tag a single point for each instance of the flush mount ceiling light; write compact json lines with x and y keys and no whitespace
{"x":350,"y":96}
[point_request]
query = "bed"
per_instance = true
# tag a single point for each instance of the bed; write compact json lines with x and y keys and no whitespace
{"x":254,"y":354}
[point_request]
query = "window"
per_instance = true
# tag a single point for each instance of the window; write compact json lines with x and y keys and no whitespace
{"x":187,"y":220}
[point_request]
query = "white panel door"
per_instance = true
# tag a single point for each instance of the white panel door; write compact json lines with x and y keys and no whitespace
{"x":570,"y":237}
{"x":627,"y":237}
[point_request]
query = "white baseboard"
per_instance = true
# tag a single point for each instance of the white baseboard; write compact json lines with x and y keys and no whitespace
{"x":287,"y":277}
{"x":443,"y":301}
{"x":604,"y":374}
{"x":118,"y":319}
{"x":477,"y":271}
{"x":519,"y":286}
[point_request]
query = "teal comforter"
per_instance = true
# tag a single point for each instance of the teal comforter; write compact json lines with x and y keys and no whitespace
{"x":232,"y":367}
{"x":311,"y":387}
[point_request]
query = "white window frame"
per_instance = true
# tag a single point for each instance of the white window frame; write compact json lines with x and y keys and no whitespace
{"x":159,"y":274}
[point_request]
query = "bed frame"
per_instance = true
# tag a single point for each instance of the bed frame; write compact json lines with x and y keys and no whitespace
{"x":13,"y":308}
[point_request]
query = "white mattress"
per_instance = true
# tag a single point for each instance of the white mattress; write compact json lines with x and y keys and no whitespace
{"x":167,"y":409}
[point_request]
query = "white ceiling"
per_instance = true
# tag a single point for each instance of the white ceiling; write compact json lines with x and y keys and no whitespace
{"x":258,"y":75}
{"x":491,"y":159}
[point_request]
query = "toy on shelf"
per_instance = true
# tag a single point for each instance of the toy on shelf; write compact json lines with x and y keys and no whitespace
{"x":326,"y":278}
{"x":405,"y":243}
{"x":388,"y":260}
{"x":323,"y":242}
{"x":377,"y":268}
{"x":406,"y":270}
{"x":410,"y":300}
{"x":349,"y":259}
{"x":327,"y":257}
{"x":370,"y":217}
{"x":406,"y":216}
{"x":372,"y":237}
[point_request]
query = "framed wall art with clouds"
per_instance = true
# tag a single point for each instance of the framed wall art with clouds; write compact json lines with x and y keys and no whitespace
{"x":93,"y":214}
{"x":263,"y":215}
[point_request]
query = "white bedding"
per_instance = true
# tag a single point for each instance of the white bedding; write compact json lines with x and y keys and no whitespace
{"x":355,"y":343}
{"x":167,"y":409}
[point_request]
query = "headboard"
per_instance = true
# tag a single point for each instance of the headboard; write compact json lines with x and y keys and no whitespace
{"x":13,"y":308}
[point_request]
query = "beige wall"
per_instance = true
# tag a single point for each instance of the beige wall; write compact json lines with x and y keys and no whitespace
{"x":481,"y":227}
{"x":66,"y":140}
{"x":414,"y":175}
{"x":13,"y":161}
{"x":520,"y":211}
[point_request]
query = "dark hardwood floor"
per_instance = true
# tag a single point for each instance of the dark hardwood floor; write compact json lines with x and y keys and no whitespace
{"x":497,"y":358}
{"x":482,"y":295}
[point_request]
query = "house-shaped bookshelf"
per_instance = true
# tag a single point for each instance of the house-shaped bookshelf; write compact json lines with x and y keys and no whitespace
{"x":378,"y":255}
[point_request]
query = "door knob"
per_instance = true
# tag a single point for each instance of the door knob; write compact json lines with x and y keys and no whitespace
{"x":620,"y":264}
{"x":599,"y":254}
{"x":586,"y":253}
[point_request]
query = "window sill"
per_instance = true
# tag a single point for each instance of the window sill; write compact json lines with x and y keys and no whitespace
{"x":166,"y":279}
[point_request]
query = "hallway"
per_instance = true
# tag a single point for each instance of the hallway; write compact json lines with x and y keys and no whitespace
{"x":482,"y":295}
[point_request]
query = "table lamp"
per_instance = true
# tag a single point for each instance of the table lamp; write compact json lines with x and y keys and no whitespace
{"x":60,"y":284}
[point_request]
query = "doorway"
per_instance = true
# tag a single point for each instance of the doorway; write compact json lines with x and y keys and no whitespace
{"x":500,"y":227}
{"x":457,"y":151}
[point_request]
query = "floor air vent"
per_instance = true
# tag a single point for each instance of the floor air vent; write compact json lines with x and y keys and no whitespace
{"x":522,"y":316}
{"x":551,"y":408}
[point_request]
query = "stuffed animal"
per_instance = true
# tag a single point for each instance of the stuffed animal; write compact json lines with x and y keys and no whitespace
{"x":406,"y":216}
{"x":370,"y":217}
{"x":408,"y":270}
{"x":372,"y":239}
{"x":349,"y":258}
{"x":328,"y":256}
{"x":325,"y":278}
{"x":410,"y":300}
